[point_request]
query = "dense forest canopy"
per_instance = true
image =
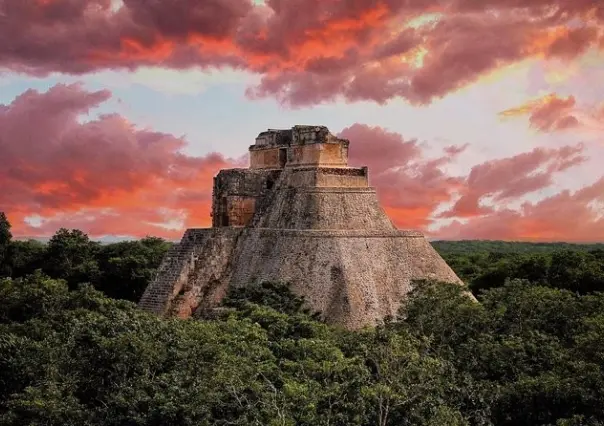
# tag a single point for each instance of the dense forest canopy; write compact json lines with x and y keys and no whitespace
{"x":75,"y":350}
{"x":473,"y":246}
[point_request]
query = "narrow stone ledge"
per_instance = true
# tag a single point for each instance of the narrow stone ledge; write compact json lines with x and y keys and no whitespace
{"x":338,"y":233}
{"x":332,"y":190}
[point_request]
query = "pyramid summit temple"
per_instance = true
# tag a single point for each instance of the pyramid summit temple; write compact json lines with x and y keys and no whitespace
{"x":300,"y":215}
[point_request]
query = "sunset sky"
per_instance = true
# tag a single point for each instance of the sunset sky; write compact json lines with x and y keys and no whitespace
{"x":478,"y":119}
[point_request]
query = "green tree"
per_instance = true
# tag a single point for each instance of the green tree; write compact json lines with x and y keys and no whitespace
{"x":77,"y":357}
{"x":408,"y":386}
{"x":275,"y":295}
{"x":25,"y":257}
{"x":582,"y":272}
{"x":527,"y":353}
{"x":5,"y":240}
{"x":70,"y":255}
{"x":126,"y":268}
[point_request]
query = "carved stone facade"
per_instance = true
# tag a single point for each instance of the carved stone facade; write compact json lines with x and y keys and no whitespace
{"x":298,"y":146}
{"x":299,"y":215}
{"x":236,"y":194}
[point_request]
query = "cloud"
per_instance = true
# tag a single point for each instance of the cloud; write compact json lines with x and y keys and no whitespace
{"x":410,"y":186}
{"x":572,"y":217}
{"x":599,"y":114}
{"x":108,"y":177}
{"x":305,"y":52}
{"x":455,"y":150}
{"x":552,"y":113}
{"x":65,"y":167}
{"x":170,"y":81}
{"x":510,"y":178}
{"x":547,"y":114}
{"x":104,"y":175}
{"x":413,"y":188}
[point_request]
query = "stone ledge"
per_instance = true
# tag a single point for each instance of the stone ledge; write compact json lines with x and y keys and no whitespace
{"x":194,"y":236}
{"x":337,"y":233}
{"x":331,"y":190}
{"x":329,"y":169}
{"x":314,"y":233}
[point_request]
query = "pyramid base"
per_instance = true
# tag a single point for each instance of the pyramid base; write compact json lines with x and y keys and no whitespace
{"x":353,"y":278}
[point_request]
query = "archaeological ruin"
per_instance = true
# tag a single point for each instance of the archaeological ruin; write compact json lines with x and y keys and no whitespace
{"x":300,"y":215}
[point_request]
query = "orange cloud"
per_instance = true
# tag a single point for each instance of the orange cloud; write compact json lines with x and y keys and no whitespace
{"x":97,"y":173}
{"x":572,"y":217}
{"x":510,"y":178}
{"x":306,"y":51}
{"x":552,"y":113}
{"x":410,"y":186}
{"x":569,"y":43}
{"x":547,"y":114}
{"x":108,"y":177}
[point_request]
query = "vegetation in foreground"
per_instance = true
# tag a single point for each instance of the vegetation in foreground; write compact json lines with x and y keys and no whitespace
{"x":530,"y":353}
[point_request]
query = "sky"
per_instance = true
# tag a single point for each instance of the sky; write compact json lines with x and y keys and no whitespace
{"x":477,"y":119}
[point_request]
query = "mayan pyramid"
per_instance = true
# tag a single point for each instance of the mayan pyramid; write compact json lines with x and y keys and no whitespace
{"x":299,"y":214}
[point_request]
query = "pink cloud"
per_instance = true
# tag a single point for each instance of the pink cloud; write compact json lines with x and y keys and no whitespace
{"x":549,"y":113}
{"x":108,"y":177}
{"x":410,"y":186}
{"x":513,"y":177}
{"x":573,"y":217}
{"x":305,"y":51}
{"x":105,"y":169}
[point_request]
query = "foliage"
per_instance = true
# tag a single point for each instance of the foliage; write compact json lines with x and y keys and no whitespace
{"x":132,"y":264}
{"x":524,"y":355}
{"x":74,"y":349}
{"x":5,"y":240}
{"x":24,"y":257}
{"x":525,"y":344}
{"x":120,"y":270}
{"x":70,"y":255}
{"x":274,"y":295}
{"x":507,"y":247}
{"x":573,"y":269}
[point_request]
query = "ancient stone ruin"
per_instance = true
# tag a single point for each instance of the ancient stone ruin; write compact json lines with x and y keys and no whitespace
{"x":298,"y":215}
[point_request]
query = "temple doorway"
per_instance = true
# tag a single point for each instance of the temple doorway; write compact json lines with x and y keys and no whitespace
{"x":282,"y":157}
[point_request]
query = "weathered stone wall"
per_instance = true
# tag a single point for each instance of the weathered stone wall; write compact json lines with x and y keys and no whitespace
{"x":312,"y":154}
{"x":195,"y":271}
{"x":209,"y":273}
{"x":236,"y":194}
{"x":297,"y":135}
{"x":240,"y":210}
{"x":326,"y":208}
{"x":317,"y":154}
{"x":312,"y":177}
{"x":314,"y":134}
{"x":342,"y":178}
{"x":274,"y":137}
{"x":171,"y":276}
{"x":299,"y":146}
{"x":353,"y":277}
{"x":298,"y":203}
{"x":266,"y":158}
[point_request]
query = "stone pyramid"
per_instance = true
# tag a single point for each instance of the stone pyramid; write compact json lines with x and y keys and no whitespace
{"x":298,"y":215}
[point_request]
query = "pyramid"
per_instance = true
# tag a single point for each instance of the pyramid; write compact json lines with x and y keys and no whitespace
{"x":300,"y":215}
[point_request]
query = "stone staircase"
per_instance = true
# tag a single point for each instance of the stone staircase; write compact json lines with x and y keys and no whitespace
{"x":170,"y":277}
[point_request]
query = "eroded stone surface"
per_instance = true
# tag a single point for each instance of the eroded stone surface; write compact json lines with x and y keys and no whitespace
{"x":298,"y":146}
{"x":304,"y":217}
